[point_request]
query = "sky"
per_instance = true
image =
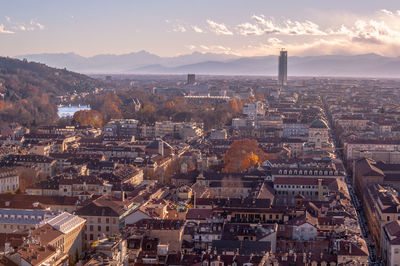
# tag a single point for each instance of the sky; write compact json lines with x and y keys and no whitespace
{"x":176,"y":27}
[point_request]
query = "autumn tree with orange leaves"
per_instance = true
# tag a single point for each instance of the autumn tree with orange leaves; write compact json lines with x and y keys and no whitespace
{"x":88,"y":118}
{"x":243,"y":154}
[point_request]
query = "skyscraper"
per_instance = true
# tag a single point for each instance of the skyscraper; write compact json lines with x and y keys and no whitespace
{"x":191,"y":79}
{"x":282,"y":75}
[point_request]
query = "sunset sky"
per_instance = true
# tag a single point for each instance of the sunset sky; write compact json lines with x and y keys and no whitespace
{"x":175,"y":27}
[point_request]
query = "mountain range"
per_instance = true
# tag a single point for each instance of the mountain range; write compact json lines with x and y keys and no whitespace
{"x":365,"y":65}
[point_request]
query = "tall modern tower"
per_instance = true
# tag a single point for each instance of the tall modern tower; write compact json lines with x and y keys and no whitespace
{"x":191,"y":79}
{"x":282,"y":74}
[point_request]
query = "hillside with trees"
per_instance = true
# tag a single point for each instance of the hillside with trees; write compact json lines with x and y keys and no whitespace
{"x":28,"y":90}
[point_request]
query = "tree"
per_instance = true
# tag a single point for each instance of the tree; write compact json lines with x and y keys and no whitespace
{"x":234,"y":105}
{"x":260,"y":96}
{"x":241,"y":155}
{"x":88,"y":118}
{"x":28,"y":177}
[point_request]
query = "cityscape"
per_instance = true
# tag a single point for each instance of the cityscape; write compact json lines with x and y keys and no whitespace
{"x":286,"y":153}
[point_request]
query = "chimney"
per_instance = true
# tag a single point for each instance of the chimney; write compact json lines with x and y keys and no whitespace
{"x":350,"y":248}
{"x":122,"y":193}
{"x":161,"y":147}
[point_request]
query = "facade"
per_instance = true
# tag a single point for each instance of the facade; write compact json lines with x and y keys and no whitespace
{"x":381,"y":206}
{"x":391,"y":243}
{"x":254,"y":109}
{"x":42,"y":163}
{"x":22,"y":219}
{"x":377,"y":149}
{"x":310,"y":188}
{"x":71,"y":227}
{"x":9,"y":180}
{"x":218,"y":134}
{"x":121,"y":127}
{"x":104,"y":216}
{"x":318,"y":134}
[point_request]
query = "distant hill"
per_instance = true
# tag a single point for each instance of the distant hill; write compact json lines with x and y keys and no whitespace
{"x":368,"y":65}
{"x":29,"y":89}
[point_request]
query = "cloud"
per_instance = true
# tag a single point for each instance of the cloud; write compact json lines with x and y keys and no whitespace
{"x":4,"y":31}
{"x":261,"y":26}
{"x":20,"y":26}
{"x":218,"y":28}
{"x":190,"y":47}
{"x":36,"y":25}
{"x":387,"y":12}
{"x":218,"y":49}
{"x":197,"y":29}
{"x":274,"y":41}
{"x":377,"y":33}
{"x":179,"y":28}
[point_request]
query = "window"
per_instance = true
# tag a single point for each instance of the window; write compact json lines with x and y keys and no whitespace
{"x":107,"y":220}
{"x":99,"y":228}
{"x":91,"y":228}
{"x":91,"y":237}
{"x":388,"y":218}
{"x":107,"y":228}
{"x":99,"y":220}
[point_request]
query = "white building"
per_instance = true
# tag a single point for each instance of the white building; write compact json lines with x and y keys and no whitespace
{"x":254,"y":109}
{"x":218,"y":134}
{"x":71,"y":226}
{"x":9,"y":180}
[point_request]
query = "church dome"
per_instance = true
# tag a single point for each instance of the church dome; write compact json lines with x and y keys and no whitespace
{"x":318,"y":123}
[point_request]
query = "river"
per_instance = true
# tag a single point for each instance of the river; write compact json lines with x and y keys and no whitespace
{"x":66,"y":111}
